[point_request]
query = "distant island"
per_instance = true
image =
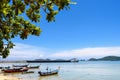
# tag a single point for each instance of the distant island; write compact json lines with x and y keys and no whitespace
{"x":106,"y":58}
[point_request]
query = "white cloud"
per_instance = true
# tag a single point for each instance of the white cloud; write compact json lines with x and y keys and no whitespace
{"x":88,"y":52}
{"x":23,"y":51}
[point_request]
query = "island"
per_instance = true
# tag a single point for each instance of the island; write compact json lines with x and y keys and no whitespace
{"x":106,"y":58}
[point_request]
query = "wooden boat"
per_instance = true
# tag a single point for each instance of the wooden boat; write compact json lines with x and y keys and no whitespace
{"x":26,"y":72}
{"x":20,"y":65}
{"x":48,"y":72}
{"x":33,"y":67}
{"x":15,"y":70}
{"x":5,"y":67}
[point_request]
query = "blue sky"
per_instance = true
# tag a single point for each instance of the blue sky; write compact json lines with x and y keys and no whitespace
{"x":91,"y":28}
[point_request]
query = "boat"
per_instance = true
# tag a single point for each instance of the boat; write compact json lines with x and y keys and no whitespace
{"x":26,"y":72}
{"x":51,"y":61}
{"x":5,"y":67}
{"x":47,"y":61}
{"x":74,"y":60}
{"x":15,"y":70}
{"x":20,"y":65}
{"x":33,"y":67}
{"x":48,"y":73}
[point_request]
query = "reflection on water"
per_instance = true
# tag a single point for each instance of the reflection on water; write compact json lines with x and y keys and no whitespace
{"x":96,"y":70}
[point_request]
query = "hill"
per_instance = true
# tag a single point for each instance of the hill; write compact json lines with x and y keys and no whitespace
{"x":106,"y":58}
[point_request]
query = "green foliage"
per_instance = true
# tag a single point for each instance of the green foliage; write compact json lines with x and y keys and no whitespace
{"x":12,"y":24}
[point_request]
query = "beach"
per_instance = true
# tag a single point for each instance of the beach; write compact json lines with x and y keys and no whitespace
{"x":2,"y":77}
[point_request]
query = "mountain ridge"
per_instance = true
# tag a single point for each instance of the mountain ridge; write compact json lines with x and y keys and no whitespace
{"x":106,"y":58}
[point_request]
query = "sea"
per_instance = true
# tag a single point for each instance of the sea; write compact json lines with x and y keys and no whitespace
{"x":83,"y":70}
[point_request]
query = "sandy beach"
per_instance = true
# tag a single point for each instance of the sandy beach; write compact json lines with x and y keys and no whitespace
{"x":2,"y":77}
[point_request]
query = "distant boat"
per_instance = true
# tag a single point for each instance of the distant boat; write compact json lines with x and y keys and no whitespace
{"x":52,"y":61}
{"x":15,"y":70}
{"x":33,"y":67}
{"x":20,"y":65}
{"x":74,"y":60}
{"x":47,"y":61}
{"x":48,"y":73}
{"x":26,"y":72}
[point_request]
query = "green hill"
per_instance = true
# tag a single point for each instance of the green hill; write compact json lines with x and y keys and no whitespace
{"x":107,"y":58}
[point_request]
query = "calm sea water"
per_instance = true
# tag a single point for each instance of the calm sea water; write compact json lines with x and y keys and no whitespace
{"x":84,"y":70}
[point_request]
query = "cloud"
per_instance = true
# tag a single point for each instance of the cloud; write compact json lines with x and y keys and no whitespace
{"x":23,"y":52}
{"x":84,"y":53}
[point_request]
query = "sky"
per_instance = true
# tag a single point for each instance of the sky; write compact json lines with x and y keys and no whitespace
{"x":91,"y":28}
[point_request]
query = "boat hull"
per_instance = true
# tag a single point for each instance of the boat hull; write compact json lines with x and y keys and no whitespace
{"x":15,"y":70}
{"x":20,"y":65}
{"x":33,"y":67}
{"x":48,"y":73}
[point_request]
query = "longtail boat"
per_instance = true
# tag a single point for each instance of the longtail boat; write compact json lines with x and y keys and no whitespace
{"x":33,"y":67}
{"x":48,"y":72}
{"x":5,"y":67}
{"x":26,"y":72}
{"x":20,"y":65}
{"x":15,"y":70}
